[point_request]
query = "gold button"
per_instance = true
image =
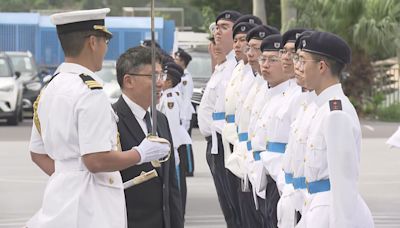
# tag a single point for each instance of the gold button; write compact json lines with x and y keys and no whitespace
{"x":311,"y":145}
{"x":111,"y":181}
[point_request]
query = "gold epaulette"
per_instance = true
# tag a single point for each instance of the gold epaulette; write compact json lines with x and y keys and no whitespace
{"x":90,"y":82}
{"x":35,"y":113}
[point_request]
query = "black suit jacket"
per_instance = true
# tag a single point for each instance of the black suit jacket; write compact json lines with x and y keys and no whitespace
{"x":157,"y":202}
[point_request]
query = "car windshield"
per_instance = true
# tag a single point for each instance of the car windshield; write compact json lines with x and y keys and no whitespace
{"x":200,"y":66}
{"x":22,"y":64}
{"x":4,"y":68}
{"x":108,"y":72}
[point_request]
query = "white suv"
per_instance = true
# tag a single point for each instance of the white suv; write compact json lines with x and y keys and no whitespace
{"x":10,"y":92}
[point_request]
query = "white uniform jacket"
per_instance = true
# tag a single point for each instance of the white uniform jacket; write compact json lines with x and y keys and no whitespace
{"x":186,"y":88}
{"x":229,"y":132}
{"x":332,"y":165}
{"x":170,"y":106}
{"x":76,"y":120}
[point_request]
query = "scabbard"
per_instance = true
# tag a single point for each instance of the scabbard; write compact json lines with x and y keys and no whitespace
{"x":143,"y":177}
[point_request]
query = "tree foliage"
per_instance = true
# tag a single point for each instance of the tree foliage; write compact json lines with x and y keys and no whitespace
{"x":371,"y":27}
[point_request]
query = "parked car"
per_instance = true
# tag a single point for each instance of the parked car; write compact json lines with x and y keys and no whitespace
{"x":200,"y":69}
{"x":10,"y":91}
{"x":31,"y":77}
{"x":108,"y":74}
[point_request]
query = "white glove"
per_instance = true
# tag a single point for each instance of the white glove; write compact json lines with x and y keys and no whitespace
{"x":151,"y":151}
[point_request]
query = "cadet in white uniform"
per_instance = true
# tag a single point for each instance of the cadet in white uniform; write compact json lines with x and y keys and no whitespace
{"x":271,"y":131}
{"x":74,"y":137}
{"x":211,"y":116}
{"x":333,"y":144}
{"x":288,"y":214}
{"x":182,"y":58}
{"x":170,"y":106}
{"x":241,"y":71}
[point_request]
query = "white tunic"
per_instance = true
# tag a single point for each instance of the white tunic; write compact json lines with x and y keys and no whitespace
{"x":332,"y":157}
{"x":236,"y":91}
{"x":229,"y":132}
{"x":186,"y":89}
{"x":293,"y":161}
{"x":75,"y":121}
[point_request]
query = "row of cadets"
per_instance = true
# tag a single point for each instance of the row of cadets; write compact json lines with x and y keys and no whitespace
{"x":211,"y":116}
{"x":171,"y":106}
{"x":242,"y":76}
{"x":182,"y":58}
{"x":332,"y":154}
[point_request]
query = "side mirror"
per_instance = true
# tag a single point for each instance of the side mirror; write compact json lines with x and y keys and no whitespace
{"x":18,"y":74}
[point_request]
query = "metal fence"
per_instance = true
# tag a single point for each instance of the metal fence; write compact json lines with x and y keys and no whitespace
{"x":387,"y":82}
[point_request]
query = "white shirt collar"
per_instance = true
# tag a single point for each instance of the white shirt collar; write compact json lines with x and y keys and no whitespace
{"x":329,"y":93}
{"x":231,"y":56}
{"x":78,"y":69}
{"x":280,"y":88}
{"x":138,"y":111}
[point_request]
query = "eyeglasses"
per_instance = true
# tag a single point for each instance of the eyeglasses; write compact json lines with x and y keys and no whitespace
{"x":159,"y":76}
{"x":300,"y":60}
{"x":289,"y":53}
{"x":271,"y":59}
{"x":251,"y":48}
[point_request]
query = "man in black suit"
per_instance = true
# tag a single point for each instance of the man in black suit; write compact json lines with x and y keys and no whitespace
{"x":155,"y":203}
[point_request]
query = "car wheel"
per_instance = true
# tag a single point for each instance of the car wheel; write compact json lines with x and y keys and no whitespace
{"x":14,"y":119}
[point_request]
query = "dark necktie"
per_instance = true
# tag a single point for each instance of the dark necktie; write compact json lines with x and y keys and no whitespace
{"x":148,"y":122}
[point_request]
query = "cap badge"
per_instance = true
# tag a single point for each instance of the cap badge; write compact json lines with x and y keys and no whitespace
{"x":277,"y":45}
{"x":262,"y":34}
{"x":251,"y":21}
{"x":243,"y":28}
{"x":297,"y":35}
{"x":227,"y":16}
{"x":304,"y":43}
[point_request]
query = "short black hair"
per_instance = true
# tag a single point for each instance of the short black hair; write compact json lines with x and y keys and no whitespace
{"x":72,"y":43}
{"x":335,"y":67}
{"x":132,"y":60}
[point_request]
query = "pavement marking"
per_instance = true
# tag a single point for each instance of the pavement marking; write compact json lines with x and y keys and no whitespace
{"x":369,"y":127}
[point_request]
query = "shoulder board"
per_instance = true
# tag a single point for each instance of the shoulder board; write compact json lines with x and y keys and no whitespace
{"x":169,"y":94}
{"x":335,"y":105}
{"x":90,"y":82}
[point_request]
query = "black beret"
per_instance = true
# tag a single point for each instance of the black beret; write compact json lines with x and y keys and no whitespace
{"x":327,"y":44}
{"x":271,"y":43}
{"x":302,"y":35}
{"x":228,"y":15}
{"x":260,"y":32}
{"x":242,"y":27}
{"x":291,"y":35}
{"x":249,"y":19}
{"x":183,"y":55}
{"x":174,"y":66}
